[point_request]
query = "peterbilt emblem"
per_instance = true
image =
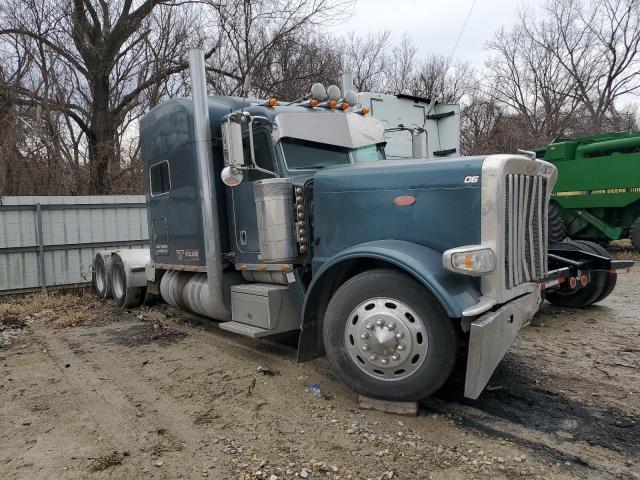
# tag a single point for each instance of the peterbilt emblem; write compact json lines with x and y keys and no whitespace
{"x":471,"y":179}
{"x":404,"y":200}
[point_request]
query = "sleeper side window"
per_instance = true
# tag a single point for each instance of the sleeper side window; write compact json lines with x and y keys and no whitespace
{"x":159,"y":178}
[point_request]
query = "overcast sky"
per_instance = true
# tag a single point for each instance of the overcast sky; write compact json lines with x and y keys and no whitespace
{"x":434,"y":25}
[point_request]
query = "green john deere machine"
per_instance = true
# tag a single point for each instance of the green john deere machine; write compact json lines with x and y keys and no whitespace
{"x":597,"y":195}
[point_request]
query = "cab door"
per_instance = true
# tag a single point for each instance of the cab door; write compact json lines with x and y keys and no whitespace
{"x":243,"y":200}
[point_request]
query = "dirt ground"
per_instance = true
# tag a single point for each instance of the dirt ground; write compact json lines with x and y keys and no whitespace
{"x":156,"y":393}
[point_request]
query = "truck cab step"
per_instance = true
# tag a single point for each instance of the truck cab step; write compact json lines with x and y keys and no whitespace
{"x":245,"y":330}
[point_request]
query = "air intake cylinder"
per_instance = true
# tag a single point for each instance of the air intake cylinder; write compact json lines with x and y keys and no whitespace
{"x":274,"y":205}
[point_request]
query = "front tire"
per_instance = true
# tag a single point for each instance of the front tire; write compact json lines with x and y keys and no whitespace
{"x":387,"y":337}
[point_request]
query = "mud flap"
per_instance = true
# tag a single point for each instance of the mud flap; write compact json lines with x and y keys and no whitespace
{"x":491,"y":336}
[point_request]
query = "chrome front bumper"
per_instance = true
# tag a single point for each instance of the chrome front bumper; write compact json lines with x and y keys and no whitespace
{"x":491,"y":336}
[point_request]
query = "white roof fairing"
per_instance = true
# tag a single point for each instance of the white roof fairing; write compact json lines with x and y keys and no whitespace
{"x":333,"y":127}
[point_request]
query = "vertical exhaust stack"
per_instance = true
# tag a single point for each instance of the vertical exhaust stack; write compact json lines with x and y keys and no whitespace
{"x":217,"y":307}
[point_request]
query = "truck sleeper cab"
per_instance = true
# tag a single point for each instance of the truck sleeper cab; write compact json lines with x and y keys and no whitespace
{"x":384,"y":266}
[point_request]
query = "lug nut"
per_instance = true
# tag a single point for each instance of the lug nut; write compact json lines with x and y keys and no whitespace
{"x":365,"y":347}
{"x":399,"y":335}
{"x":391,"y":325}
{"x":299,"y":199}
{"x":300,"y":216}
{"x":299,"y":191}
{"x":395,"y":357}
{"x":401,"y":347}
{"x":384,"y":361}
{"x":380,"y":323}
{"x":373,"y":357}
{"x":364,"y":335}
{"x":369,"y":326}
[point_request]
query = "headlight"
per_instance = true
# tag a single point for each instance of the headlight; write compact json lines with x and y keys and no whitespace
{"x":470,"y":260}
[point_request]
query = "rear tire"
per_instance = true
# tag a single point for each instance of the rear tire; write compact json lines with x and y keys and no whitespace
{"x":595,"y":290}
{"x":557,"y":225}
{"x":386,"y":314}
{"x":102,"y":275}
{"x":634,"y":234}
{"x":124,"y":296}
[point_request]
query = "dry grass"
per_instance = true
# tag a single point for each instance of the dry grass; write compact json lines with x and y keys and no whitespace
{"x":61,"y":309}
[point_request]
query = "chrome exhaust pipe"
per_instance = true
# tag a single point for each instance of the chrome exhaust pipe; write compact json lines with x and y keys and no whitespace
{"x":217,"y":307}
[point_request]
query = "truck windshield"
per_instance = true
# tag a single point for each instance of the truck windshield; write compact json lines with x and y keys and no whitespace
{"x":306,"y":155}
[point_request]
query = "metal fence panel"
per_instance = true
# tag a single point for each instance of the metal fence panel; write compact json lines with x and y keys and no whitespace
{"x":51,"y":241}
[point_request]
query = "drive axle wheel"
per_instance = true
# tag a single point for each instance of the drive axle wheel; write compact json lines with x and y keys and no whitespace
{"x":124,"y":295}
{"x":102,"y":275}
{"x":386,"y":337}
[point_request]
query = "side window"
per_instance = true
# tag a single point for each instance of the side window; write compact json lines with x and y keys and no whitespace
{"x":159,"y":180}
{"x":263,"y":155}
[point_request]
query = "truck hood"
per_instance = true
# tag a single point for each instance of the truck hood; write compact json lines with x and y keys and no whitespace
{"x":435,"y":203}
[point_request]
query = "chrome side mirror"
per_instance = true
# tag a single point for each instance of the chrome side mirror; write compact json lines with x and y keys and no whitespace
{"x":233,"y":152}
{"x":231,"y":176}
{"x":232,"y":148}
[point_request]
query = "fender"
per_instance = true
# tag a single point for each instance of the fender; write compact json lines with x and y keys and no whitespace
{"x":454,"y":292}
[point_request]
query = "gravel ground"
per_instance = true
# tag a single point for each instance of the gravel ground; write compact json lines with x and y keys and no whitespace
{"x":91,"y":391}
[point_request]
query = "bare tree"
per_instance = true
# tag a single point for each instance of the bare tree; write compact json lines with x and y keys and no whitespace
{"x":442,"y":79}
{"x":367,"y":58}
{"x":105,"y":56}
{"x":597,"y":43}
{"x":254,"y":32}
{"x":525,"y":77}
{"x":400,"y":68}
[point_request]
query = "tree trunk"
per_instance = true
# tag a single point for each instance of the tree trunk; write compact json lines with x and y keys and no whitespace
{"x":104,"y":162}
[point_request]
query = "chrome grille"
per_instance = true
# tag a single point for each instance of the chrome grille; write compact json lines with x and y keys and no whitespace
{"x":526,"y":206}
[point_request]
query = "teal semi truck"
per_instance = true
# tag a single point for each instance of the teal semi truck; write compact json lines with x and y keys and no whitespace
{"x":597,"y":195}
{"x":288,"y":219}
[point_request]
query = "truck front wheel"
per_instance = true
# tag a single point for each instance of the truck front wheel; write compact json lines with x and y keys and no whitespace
{"x":387,"y":337}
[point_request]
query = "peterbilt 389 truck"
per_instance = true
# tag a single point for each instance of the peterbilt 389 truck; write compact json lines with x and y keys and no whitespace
{"x":273,"y":218}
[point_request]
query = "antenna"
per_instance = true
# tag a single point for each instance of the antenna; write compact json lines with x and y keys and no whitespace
{"x":246,"y":86}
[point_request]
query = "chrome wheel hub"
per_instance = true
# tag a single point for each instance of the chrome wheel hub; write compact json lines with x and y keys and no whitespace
{"x":386,"y":339}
